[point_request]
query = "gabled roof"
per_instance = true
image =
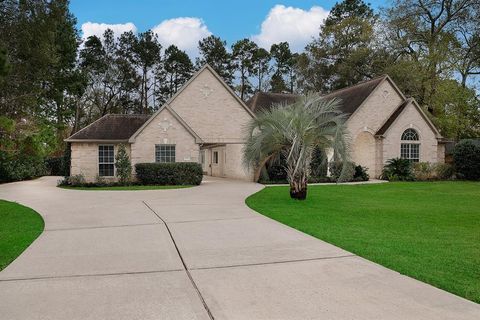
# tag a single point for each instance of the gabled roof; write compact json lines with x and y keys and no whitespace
{"x":399,"y":111}
{"x":167,"y":104}
{"x":352,"y":97}
{"x":393,"y":117}
{"x":110,"y":127}
{"x":175,"y":115}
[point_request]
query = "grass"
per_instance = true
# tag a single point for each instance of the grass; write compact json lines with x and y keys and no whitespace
{"x":429,"y":231}
{"x":125,"y":188}
{"x":19,"y":226}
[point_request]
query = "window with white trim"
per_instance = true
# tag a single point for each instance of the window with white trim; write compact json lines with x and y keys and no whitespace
{"x":165,"y":153}
{"x":410,"y":150}
{"x":106,"y":160}
{"x":215,"y":157}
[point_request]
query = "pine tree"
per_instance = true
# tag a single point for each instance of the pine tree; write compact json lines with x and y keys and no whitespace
{"x":123,"y":165}
{"x":214,"y":52}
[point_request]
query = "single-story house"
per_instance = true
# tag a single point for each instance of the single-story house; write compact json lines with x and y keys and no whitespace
{"x":204,"y":122}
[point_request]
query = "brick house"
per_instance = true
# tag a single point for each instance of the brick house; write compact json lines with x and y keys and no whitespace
{"x":204,"y":122}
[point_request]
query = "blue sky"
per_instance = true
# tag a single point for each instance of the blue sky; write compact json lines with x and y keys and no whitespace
{"x":264,"y":21}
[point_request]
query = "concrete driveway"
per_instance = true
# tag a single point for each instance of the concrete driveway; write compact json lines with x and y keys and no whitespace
{"x":195,"y":253}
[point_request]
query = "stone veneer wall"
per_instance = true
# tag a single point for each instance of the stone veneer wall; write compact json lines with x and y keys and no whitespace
{"x":164,"y":129}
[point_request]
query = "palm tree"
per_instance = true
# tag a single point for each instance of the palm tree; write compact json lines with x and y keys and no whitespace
{"x":292,"y":132}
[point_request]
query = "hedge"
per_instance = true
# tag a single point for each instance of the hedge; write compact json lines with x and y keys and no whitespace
{"x":56,"y":166}
{"x":466,"y":156}
{"x":178,"y":173}
{"x":15,"y":167}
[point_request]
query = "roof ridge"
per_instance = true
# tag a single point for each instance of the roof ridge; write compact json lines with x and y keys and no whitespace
{"x":357,"y":84}
{"x":128,"y":115}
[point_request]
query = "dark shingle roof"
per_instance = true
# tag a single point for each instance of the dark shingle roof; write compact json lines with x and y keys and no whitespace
{"x":351,"y":97}
{"x":264,"y":100}
{"x":111,"y":127}
{"x":392,"y":118}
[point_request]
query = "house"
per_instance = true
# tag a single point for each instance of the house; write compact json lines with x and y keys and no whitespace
{"x":382,"y":123}
{"x":204,"y":122}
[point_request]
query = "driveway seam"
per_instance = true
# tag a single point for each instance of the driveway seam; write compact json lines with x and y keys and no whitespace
{"x":219,"y":219}
{"x":183,"y":262}
{"x":274,"y":262}
{"x":104,"y":227}
{"x":89,"y":275}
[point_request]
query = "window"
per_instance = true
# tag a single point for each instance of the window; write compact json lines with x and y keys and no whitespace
{"x":411,"y":150}
{"x":165,"y":153}
{"x":410,"y":135}
{"x":106,"y":161}
{"x":215,"y":157}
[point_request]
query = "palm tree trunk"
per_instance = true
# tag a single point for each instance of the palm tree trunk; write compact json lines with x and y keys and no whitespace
{"x":298,"y":189}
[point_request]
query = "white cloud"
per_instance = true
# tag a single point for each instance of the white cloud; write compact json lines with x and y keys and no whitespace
{"x":184,"y":32}
{"x":97,"y":29}
{"x":294,"y":25}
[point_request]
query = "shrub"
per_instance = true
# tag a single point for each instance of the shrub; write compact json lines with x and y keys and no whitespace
{"x":423,"y":171}
{"x":16,"y":167}
{"x":123,"y":165}
{"x":466,"y":157}
{"x":56,"y":166}
{"x":77,"y":180}
{"x":318,"y":163}
{"x":336,"y":167}
{"x":179,"y":173}
{"x":444,"y":171}
{"x":361,"y":174}
{"x":397,"y":169}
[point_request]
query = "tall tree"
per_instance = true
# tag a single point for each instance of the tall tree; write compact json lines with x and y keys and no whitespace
{"x":284,"y":65}
{"x":261,"y":63}
{"x":343,"y":53}
{"x":175,"y":70}
{"x":427,"y":31}
{"x":214,"y":52}
{"x":146,"y":56}
{"x":243,"y":54}
{"x":4,"y":66}
{"x":41,"y":39}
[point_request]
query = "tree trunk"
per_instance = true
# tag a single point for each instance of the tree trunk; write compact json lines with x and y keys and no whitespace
{"x":298,"y":190}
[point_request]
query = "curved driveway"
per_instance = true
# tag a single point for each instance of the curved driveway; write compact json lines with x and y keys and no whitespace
{"x":196,"y":253}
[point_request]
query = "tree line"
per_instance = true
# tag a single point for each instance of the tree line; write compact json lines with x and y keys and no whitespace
{"x":52,"y":83}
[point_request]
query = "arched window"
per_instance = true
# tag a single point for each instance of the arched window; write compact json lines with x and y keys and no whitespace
{"x":410,"y":135}
{"x":410,"y":150}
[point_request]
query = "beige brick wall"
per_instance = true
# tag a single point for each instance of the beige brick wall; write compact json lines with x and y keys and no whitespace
{"x":411,"y":118}
{"x":84,"y":160}
{"x":234,"y":163}
{"x":375,"y":111}
{"x":143,"y":149}
{"x":217,"y":117}
{"x":366,"y":121}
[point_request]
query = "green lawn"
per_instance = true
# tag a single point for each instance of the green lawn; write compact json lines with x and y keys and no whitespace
{"x":125,"y":188}
{"x":429,"y":231}
{"x":19,"y":226}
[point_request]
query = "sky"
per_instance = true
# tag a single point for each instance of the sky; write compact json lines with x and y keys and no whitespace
{"x":185,"y":22}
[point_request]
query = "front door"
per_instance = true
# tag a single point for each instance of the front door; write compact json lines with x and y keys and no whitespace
{"x":218,"y":161}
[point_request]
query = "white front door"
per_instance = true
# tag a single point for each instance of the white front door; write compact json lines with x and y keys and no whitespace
{"x":218,"y":161}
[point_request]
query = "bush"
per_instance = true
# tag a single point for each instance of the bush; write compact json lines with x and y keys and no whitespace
{"x":361,"y":174}
{"x":56,"y":166}
{"x":318,"y":163}
{"x":77,"y":180}
{"x":179,"y":173}
{"x":424,"y":171}
{"x":123,"y":165}
{"x":16,"y":167}
{"x":336,"y":167}
{"x":444,"y":171}
{"x":397,"y":169}
{"x":466,"y":157}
